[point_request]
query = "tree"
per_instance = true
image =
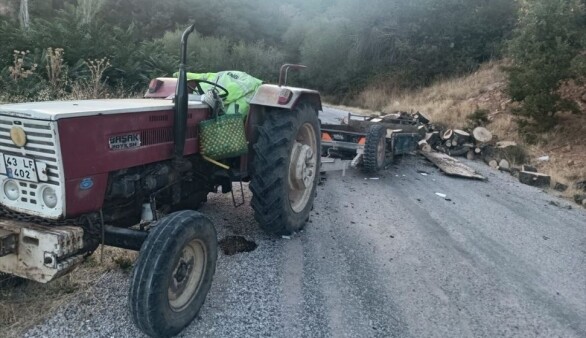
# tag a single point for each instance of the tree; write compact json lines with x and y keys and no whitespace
{"x":87,"y":9}
{"x":548,"y":41}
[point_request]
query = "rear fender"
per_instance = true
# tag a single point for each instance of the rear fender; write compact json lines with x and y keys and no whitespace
{"x":270,"y":95}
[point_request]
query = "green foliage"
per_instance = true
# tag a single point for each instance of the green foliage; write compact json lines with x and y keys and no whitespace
{"x":546,"y":50}
{"x":346,"y":44}
{"x":325,"y":50}
{"x":408,"y":43}
{"x":479,"y":118}
{"x":134,"y":60}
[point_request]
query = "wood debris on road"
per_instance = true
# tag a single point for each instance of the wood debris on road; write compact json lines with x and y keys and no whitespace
{"x":451,"y":166}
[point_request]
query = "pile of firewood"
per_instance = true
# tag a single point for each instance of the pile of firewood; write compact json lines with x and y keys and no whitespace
{"x":456,"y":142}
{"x":478,"y":143}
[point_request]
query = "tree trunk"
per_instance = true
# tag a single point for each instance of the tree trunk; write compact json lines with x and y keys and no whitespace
{"x":24,"y":14}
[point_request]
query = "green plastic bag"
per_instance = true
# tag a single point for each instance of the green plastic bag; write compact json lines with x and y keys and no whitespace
{"x":223,"y":137}
{"x":241,"y":88}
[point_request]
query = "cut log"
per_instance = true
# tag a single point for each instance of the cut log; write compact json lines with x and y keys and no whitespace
{"x":448,"y":134}
{"x":504,"y":165}
{"x":488,"y":155}
{"x":470,"y":155}
{"x":423,"y":146}
{"x":463,"y":136}
{"x":508,"y":151}
{"x":534,"y":179}
{"x":433,"y":139}
{"x":505,"y":144}
{"x":515,"y":171}
{"x":458,"y":151}
{"x":478,"y":150}
{"x":493,"y":164}
{"x":482,"y":135}
{"x":451,"y":166}
{"x":449,"y":144}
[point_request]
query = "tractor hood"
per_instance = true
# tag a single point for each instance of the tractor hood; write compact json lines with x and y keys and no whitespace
{"x":56,"y":110}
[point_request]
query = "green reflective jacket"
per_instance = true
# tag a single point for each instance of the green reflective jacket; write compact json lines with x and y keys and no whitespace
{"x":241,"y":88}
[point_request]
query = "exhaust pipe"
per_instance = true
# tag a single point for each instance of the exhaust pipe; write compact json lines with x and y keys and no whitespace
{"x":181,"y":99}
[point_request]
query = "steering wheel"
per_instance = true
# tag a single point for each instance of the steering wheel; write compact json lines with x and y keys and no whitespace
{"x":223,"y":91}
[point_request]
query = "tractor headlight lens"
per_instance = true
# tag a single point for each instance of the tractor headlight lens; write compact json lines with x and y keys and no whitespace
{"x":49,"y":197}
{"x":11,"y":190}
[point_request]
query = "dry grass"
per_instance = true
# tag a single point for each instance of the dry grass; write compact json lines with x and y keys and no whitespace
{"x":450,"y":102}
{"x":27,"y":303}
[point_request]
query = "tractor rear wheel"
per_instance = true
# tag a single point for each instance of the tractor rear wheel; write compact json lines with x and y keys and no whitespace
{"x":173,"y":274}
{"x":285,"y":169}
{"x":375,"y":149}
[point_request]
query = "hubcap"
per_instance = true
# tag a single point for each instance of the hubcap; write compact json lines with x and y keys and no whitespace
{"x":186,"y":276}
{"x":302,"y":168}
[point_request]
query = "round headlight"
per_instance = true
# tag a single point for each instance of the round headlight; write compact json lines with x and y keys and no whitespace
{"x":11,"y":190}
{"x":49,"y":197}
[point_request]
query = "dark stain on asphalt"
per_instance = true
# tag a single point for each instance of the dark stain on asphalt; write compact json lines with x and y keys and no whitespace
{"x":232,"y":245}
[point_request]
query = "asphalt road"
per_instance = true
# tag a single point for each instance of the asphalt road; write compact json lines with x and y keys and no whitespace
{"x":384,"y":257}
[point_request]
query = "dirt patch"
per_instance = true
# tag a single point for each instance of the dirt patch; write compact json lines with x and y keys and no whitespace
{"x":232,"y":245}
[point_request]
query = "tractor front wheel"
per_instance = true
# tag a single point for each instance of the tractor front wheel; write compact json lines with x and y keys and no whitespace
{"x":173,"y":273}
{"x":285,"y":169}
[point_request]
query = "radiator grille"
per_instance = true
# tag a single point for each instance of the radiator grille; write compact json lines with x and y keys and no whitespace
{"x":163,"y":135}
{"x":42,"y":146}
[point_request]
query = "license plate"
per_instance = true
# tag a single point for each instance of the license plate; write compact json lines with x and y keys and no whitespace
{"x":21,"y":168}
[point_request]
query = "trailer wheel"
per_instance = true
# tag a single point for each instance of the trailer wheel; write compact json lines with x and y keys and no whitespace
{"x":375,"y":149}
{"x":285,"y":169}
{"x":173,"y":274}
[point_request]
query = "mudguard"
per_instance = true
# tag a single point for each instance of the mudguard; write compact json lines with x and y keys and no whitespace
{"x":284,"y":97}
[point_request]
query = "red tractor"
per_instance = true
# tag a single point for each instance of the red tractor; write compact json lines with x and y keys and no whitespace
{"x":78,"y":174}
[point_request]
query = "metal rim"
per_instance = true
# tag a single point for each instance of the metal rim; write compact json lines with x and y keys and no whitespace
{"x":302,"y":167}
{"x":186,"y":276}
{"x":380,"y":152}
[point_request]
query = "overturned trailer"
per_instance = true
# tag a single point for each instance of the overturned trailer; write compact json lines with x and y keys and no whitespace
{"x":367,"y":142}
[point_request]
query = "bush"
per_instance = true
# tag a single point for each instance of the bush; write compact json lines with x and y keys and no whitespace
{"x":478,"y":118}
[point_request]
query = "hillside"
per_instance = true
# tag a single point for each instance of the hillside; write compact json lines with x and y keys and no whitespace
{"x":451,"y":102}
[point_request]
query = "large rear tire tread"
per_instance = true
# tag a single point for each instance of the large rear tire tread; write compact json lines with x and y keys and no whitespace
{"x":371,"y":163}
{"x":270,"y":170}
{"x":148,"y":295}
